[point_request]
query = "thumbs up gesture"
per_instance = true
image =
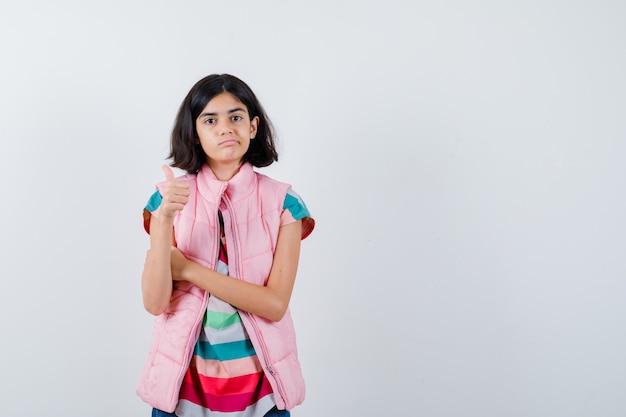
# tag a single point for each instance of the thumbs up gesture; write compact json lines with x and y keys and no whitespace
{"x":175,"y":194}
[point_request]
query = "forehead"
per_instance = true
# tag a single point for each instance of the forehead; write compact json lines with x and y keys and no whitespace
{"x":224,"y":102}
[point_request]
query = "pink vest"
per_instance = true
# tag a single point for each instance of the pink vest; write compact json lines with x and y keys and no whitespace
{"x":254,"y":203}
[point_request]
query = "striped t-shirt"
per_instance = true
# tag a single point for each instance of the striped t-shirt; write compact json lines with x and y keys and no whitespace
{"x":225,"y":377}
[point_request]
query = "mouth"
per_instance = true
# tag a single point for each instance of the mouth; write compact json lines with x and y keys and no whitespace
{"x":228,"y":142}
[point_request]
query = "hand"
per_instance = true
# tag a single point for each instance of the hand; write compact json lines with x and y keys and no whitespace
{"x":179,"y":264}
{"x":175,"y":194}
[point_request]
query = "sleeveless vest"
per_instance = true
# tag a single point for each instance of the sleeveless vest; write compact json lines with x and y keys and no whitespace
{"x":254,"y":203}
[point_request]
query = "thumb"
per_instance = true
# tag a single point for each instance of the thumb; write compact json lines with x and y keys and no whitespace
{"x":169,"y":175}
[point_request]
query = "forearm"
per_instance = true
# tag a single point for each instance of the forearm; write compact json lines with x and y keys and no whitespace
{"x":269,"y":301}
{"x":156,"y":281}
{"x":256,"y":299}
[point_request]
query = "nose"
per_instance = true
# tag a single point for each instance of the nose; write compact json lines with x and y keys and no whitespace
{"x":224,"y":126}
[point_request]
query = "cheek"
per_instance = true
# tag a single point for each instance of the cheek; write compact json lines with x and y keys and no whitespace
{"x":203,"y":135}
{"x":203,"y":143}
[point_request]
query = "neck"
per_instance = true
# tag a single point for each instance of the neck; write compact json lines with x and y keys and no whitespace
{"x":224,"y":172}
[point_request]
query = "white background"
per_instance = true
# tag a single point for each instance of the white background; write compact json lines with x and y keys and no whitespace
{"x":464,"y":162}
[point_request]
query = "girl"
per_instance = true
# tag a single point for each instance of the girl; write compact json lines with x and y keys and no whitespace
{"x":224,"y":249}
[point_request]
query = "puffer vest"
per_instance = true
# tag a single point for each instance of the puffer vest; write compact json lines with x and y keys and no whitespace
{"x":252,"y":204}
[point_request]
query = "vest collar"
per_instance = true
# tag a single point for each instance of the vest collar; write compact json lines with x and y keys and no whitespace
{"x":238,"y":187}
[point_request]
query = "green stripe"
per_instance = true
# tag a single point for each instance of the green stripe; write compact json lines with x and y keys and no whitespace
{"x":218,"y":320}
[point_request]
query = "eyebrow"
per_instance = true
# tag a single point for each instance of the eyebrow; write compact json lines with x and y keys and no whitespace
{"x":235,"y":110}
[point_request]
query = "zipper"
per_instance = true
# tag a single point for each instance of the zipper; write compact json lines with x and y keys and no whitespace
{"x":268,"y":366}
{"x":255,"y":327}
{"x":198,"y":320}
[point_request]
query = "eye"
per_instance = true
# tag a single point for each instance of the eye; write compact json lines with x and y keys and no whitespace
{"x":209,"y":121}
{"x":237,"y":118}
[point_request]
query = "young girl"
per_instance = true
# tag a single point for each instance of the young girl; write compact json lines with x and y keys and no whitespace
{"x":224,"y":249}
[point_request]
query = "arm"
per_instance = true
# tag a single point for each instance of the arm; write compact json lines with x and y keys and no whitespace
{"x":269,"y":301}
{"x":156,"y":280}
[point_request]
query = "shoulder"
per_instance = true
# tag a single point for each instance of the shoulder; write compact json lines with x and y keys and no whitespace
{"x":293,"y":206}
{"x":266,"y":181}
{"x":295,"y":209}
{"x":272,"y":191}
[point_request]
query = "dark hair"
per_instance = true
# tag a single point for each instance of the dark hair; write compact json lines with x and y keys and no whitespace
{"x":185,"y":151}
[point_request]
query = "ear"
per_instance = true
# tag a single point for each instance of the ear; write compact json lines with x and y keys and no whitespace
{"x":254,"y":125}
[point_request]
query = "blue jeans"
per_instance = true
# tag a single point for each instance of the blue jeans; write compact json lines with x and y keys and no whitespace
{"x":274,"y":412}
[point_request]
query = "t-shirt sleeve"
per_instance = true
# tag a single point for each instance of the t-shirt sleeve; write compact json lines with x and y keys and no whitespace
{"x":151,"y":208}
{"x":295,"y":209}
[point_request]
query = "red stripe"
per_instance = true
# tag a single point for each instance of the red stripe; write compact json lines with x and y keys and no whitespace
{"x":224,"y":386}
{"x":224,"y":402}
{"x":223,"y":252}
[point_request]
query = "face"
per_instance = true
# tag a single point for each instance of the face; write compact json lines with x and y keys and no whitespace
{"x":225,"y":130}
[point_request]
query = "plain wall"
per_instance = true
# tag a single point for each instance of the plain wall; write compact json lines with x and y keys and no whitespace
{"x":464,"y":162}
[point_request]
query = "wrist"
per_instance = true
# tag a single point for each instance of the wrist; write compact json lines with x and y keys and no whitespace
{"x":188,"y":272}
{"x":183,"y":269}
{"x":162,"y":221}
